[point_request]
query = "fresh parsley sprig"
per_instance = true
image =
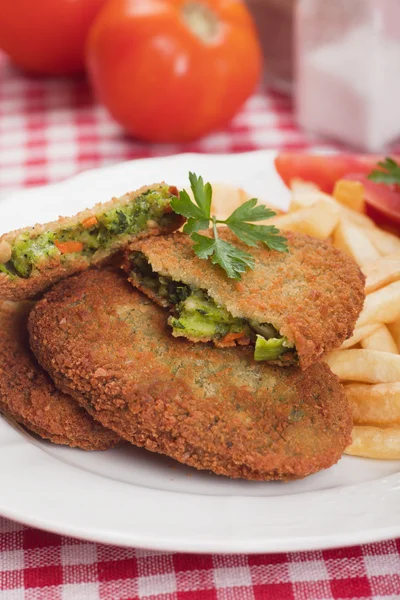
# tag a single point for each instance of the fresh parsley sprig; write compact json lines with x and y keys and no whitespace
{"x":389,"y":173}
{"x":233,"y":260}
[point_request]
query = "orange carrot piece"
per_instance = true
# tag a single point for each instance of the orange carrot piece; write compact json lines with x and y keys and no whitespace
{"x":232,"y":337}
{"x":89,"y":222}
{"x":69,"y":247}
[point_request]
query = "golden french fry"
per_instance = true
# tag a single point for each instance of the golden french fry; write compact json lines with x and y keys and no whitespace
{"x":380,"y":272}
{"x":350,"y":194}
{"x":380,"y":340}
{"x":370,"y":373}
{"x":352,"y":239}
{"x":318,"y":221}
{"x":373,"y":442}
{"x":368,"y":366}
{"x":358,"y":218}
{"x":381,"y":306}
{"x":301,"y":186}
{"x":305,"y":194}
{"x":377,"y":404}
{"x":394,"y":329}
{"x":386,"y":243}
{"x":359,"y":334}
{"x":227,"y":198}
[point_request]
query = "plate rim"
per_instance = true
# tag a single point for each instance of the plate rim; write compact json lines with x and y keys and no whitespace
{"x":23,"y":453}
{"x":30,"y":458}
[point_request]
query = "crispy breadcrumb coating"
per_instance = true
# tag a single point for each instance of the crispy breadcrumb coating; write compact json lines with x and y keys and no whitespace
{"x":29,"y":397}
{"x":52,"y":268}
{"x":312,"y":295}
{"x":216,"y":409}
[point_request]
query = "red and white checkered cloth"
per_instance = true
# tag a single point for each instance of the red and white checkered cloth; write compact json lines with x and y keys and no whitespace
{"x":52,"y":129}
{"x":41,"y":566}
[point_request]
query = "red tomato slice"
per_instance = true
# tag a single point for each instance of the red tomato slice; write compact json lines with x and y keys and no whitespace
{"x":383,"y":201}
{"x":324,"y":170}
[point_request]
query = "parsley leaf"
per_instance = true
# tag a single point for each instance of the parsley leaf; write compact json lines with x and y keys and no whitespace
{"x":389,"y":174}
{"x":231,"y":259}
{"x":202,"y":193}
{"x":198,"y":216}
{"x":251,"y":234}
{"x":183,"y":205}
{"x":248,"y":211}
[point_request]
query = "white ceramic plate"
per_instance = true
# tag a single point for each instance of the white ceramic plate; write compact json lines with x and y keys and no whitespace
{"x":131,"y":497}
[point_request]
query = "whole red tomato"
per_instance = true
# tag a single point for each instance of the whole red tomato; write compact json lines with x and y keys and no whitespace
{"x":173,"y":70}
{"x":47,"y":36}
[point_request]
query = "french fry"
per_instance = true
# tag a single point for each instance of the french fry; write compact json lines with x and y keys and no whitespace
{"x":359,"y":334}
{"x":358,"y":218}
{"x":373,"y":442}
{"x":350,"y":194}
{"x":386,"y":243}
{"x":369,"y":361}
{"x":368,"y":366}
{"x":380,"y":272}
{"x":380,"y":340}
{"x":318,"y":221}
{"x":377,"y":404}
{"x":394,"y":329}
{"x":226,"y":199}
{"x":351,"y":239}
{"x":381,"y":306}
{"x":305,"y":194}
{"x":302,"y":186}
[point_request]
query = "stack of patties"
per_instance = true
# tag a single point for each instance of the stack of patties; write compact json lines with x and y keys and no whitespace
{"x":218,"y":374}
{"x":30,"y":261}
{"x":136,"y":367}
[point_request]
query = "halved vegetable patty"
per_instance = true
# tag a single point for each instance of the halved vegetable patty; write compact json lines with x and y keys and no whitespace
{"x":207,"y":407}
{"x":29,"y":397}
{"x":198,"y":318}
{"x":33,"y":258}
{"x":293,"y":307}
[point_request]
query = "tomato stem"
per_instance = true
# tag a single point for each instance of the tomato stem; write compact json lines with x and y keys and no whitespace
{"x":202,"y":21}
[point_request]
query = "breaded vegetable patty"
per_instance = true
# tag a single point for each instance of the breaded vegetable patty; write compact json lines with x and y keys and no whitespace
{"x":293,"y":307}
{"x":33,"y":258}
{"x":207,"y":407}
{"x":28,"y":396}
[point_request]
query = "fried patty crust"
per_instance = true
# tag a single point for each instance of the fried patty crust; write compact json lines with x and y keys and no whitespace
{"x":52,"y":260}
{"x":108,"y":345}
{"x":29,"y":397}
{"x":312,"y":294}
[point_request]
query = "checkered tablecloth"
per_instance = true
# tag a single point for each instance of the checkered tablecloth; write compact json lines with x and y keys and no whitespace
{"x":49,"y":130}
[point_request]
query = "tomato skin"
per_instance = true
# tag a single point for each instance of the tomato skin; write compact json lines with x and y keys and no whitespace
{"x":324,"y":170}
{"x":47,"y":37}
{"x":382,"y":201}
{"x":159,"y":79}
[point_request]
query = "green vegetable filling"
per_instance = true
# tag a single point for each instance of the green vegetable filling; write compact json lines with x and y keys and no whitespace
{"x":28,"y":253}
{"x":199,"y":316}
{"x":196,"y":315}
{"x":272,"y":348}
